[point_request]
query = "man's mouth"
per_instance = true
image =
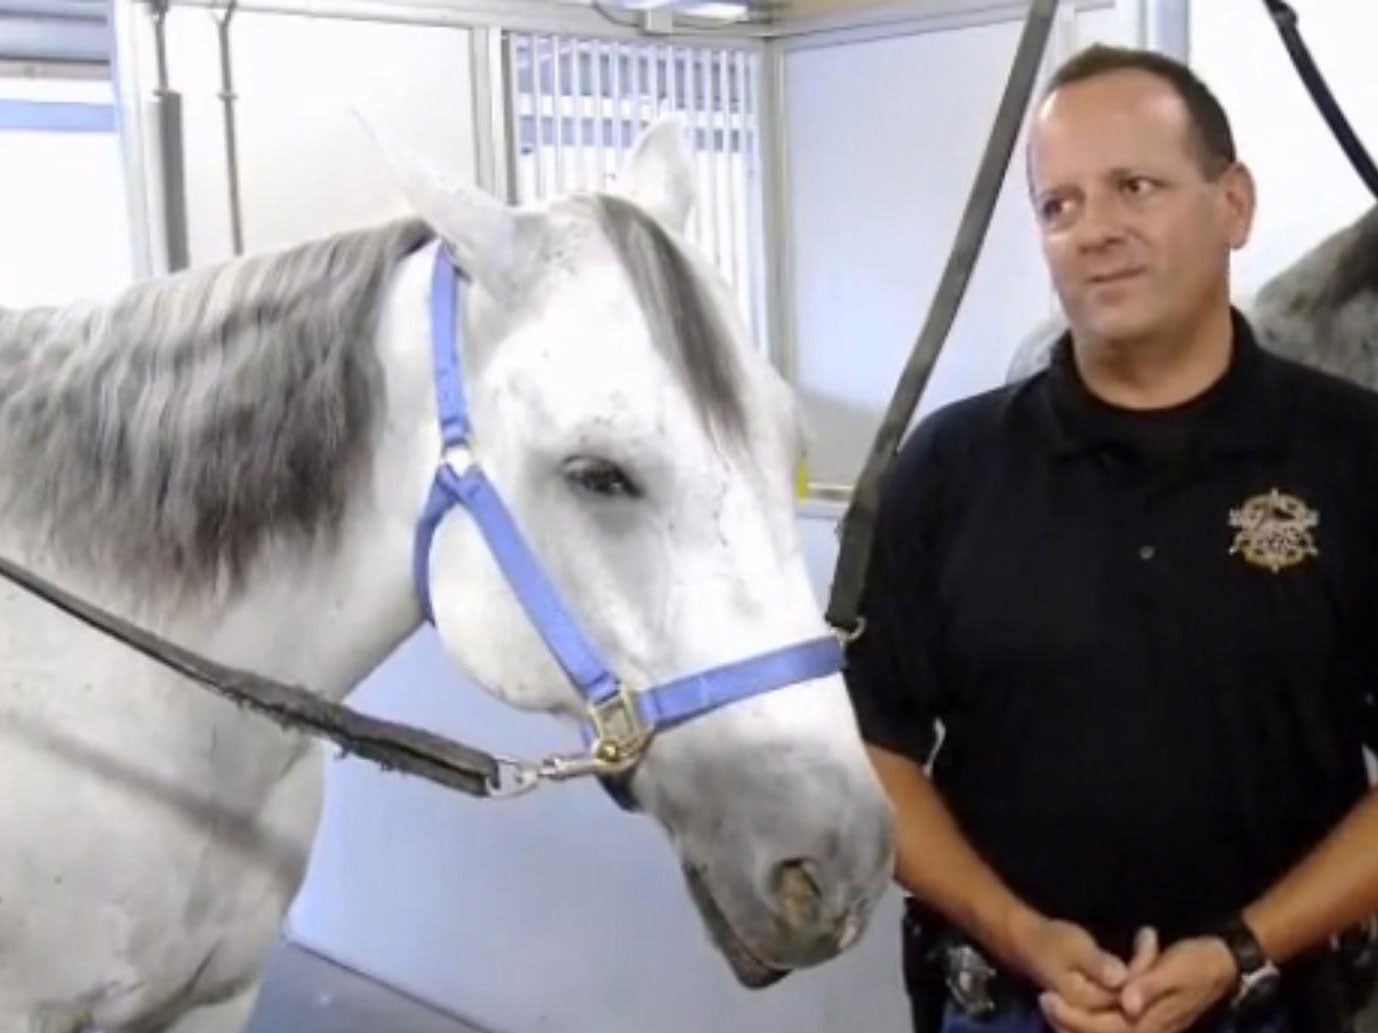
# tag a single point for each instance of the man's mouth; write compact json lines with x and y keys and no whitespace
{"x":1117,"y":276}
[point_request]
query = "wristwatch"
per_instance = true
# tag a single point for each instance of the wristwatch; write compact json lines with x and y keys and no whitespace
{"x":1258,"y":976}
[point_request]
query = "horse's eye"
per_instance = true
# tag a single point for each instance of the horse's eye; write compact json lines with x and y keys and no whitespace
{"x":601,"y":477}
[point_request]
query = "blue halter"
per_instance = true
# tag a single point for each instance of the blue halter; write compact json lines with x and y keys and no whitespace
{"x":620,"y":722}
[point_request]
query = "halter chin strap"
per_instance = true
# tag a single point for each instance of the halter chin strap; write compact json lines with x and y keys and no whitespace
{"x":620,"y":721}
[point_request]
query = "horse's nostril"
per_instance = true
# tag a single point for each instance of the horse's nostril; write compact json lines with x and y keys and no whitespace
{"x":797,"y":894}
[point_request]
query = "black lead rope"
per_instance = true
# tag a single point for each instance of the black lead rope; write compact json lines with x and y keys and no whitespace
{"x":1286,"y":20}
{"x":391,"y":746}
{"x":858,"y":525}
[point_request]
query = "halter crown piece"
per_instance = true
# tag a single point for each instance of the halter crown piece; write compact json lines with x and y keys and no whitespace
{"x":619,"y":722}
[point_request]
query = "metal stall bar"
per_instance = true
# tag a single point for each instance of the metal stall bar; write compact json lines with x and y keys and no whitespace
{"x":557,"y":111}
{"x":751,"y":163}
{"x":728,"y":116}
{"x":170,"y":149}
{"x":600,"y":114}
{"x":578,"y":138}
{"x":618,"y":103}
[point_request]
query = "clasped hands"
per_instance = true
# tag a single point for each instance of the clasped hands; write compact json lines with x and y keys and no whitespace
{"x":1089,"y":990}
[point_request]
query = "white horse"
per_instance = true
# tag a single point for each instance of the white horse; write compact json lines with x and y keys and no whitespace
{"x":237,"y":457}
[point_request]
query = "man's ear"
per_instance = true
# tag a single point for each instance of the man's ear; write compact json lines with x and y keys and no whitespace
{"x":1239,"y":198}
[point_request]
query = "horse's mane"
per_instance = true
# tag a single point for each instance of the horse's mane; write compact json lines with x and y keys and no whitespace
{"x":164,"y":438}
{"x":680,"y":313}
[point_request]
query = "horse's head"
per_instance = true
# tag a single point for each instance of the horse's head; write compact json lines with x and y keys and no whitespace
{"x":646,"y":451}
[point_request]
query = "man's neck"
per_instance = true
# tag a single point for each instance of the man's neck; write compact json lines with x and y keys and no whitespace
{"x":1161,"y":370}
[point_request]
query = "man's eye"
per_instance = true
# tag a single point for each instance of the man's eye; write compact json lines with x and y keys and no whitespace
{"x":601,"y":477}
{"x":1053,"y":209}
{"x":1139,"y":185}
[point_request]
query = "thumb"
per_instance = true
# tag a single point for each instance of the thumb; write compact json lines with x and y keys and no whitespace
{"x":1145,"y":952}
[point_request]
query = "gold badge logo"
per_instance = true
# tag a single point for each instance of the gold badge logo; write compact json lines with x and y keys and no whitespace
{"x":1274,"y":531}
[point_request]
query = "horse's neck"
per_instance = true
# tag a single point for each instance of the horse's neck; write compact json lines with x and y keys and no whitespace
{"x":329,"y":618}
{"x":323,"y":622}
{"x":324,"y":617}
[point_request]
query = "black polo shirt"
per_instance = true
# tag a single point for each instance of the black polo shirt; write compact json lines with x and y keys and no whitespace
{"x":1152,"y":673}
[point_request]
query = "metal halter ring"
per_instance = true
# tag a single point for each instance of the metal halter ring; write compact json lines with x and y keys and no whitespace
{"x":620,"y":735}
{"x":852,"y":634}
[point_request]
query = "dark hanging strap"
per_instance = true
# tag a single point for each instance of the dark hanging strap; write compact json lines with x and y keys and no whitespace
{"x":859,"y":523}
{"x":392,"y":746}
{"x":1286,"y":20}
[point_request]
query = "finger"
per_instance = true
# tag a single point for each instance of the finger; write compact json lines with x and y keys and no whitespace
{"x":1101,"y":968}
{"x":1094,"y":963}
{"x":1070,"y":1019}
{"x":1145,"y":952}
{"x":1170,"y":1014}
{"x":1143,"y":992}
{"x":1081,"y":992}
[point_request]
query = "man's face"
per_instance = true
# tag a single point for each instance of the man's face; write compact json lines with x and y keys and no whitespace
{"x":1136,"y":235}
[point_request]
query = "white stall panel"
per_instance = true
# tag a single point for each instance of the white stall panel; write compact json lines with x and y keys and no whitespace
{"x":64,"y":227}
{"x":307,"y":168}
{"x":412,"y":79}
{"x":65,"y":230}
{"x":884,"y":141}
{"x":1307,"y":188}
{"x":1103,"y":25}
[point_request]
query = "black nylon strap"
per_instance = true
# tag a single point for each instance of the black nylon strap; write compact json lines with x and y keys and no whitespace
{"x":1286,"y":20}
{"x":858,"y":526}
{"x":390,"y":745}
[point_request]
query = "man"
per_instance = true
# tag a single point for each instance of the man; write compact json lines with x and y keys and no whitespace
{"x":1139,"y":593}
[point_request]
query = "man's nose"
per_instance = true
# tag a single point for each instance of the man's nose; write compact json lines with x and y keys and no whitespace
{"x":1102,"y":222}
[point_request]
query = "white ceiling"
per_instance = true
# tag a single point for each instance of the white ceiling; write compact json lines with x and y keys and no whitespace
{"x":799,"y":10}
{"x":843,"y":11}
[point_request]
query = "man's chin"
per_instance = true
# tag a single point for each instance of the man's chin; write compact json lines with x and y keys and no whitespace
{"x":1116,"y":327}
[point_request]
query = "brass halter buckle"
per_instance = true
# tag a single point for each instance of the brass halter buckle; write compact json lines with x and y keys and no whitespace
{"x":620,"y":741}
{"x":620,"y":736}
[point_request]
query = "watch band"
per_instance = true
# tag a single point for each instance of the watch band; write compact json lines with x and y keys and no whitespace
{"x":1242,"y":943}
{"x":1257,"y":974}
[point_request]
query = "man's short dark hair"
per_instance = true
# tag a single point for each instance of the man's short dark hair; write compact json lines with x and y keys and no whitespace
{"x":1211,"y":137}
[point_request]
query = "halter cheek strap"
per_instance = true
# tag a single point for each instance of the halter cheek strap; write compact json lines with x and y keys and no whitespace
{"x":619,"y":722}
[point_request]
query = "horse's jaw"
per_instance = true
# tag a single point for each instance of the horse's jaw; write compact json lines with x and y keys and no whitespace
{"x":751,"y":971}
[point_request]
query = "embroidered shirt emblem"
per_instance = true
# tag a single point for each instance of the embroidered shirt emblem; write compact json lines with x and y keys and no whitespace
{"x":1274,"y":531}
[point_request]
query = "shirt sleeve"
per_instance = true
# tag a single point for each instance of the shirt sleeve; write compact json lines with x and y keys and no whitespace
{"x":890,"y":672}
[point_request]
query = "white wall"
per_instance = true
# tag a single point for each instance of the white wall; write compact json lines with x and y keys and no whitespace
{"x":64,"y":230}
{"x":306,"y":165}
{"x":1307,"y":188}
{"x":884,"y":140}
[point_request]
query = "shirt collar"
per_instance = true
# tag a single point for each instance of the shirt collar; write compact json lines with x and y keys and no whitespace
{"x":1236,"y":414}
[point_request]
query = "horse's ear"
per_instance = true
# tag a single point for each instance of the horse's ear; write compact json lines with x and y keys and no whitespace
{"x":492,"y":242}
{"x":659,"y":174}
